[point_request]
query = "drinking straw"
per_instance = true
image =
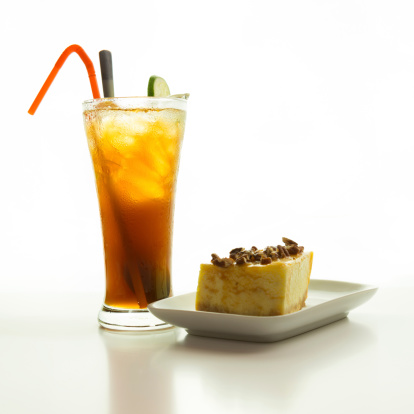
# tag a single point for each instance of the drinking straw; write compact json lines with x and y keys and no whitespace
{"x":105,"y":59}
{"x":89,"y":67}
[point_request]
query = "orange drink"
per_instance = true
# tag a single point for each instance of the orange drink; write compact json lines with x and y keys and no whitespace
{"x":135,"y":147}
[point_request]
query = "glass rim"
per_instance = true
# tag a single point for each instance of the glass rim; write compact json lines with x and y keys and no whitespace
{"x":158,"y":98}
{"x":128,"y":102}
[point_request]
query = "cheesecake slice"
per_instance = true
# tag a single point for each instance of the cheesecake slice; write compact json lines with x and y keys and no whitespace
{"x":256,"y":282}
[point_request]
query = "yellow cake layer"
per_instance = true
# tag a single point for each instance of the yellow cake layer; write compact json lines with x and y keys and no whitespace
{"x":253,"y":289}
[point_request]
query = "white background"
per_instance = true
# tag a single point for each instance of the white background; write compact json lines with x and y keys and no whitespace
{"x":300,"y":124}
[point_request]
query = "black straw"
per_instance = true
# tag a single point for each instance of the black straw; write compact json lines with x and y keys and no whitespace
{"x":105,"y":59}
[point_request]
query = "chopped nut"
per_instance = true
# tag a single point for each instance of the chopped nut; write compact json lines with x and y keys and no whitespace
{"x":248,"y":254}
{"x":265,"y":260}
{"x":288,"y":242}
{"x":241,"y":256}
{"x":274,"y":255}
{"x":235,"y":253}
{"x":241,"y":260}
{"x":217,"y":261}
{"x":286,"y":251}
{"x":292,"y":249}
{"x":226,"y":262}
{"x":258,"y":257}
{"x":237,"y":250}
{"x":282,"y":251}
{"x":250,"y":257}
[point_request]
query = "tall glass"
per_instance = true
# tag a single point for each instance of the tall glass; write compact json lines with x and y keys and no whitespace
{"x":135,"y":147}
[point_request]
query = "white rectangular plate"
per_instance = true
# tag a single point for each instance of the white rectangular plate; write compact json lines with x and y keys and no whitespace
{"x":328,"y":301}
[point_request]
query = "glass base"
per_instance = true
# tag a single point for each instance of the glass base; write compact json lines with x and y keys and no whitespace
{"x":127,"y":320}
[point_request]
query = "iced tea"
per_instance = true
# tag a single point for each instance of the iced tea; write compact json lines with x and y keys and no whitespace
{"x":135,"y":149}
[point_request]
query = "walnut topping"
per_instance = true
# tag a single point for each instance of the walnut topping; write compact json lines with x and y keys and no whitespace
{"x":288,"y":242}
{"x":235,"y":253}
{"x":274,"y":255}
{"x":292,"y":249}
{"x":237,"y":250}
{"x":240,"y":256}
{"x":282,"y":251}
{"x":265,"y":260}
{"x":258,"y":256}
{"x":217,"y":261}
{"x":241,"y":260}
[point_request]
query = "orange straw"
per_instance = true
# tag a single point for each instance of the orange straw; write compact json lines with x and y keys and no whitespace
{"x":89,"y":67}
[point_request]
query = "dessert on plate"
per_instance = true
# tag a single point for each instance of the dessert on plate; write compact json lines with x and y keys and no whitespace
{"x":268,"y":282}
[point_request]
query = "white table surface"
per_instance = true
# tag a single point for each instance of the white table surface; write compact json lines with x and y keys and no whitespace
{"x":54,"y":358}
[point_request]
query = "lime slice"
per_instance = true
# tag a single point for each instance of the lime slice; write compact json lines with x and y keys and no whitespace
{"x":158,"y":87}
